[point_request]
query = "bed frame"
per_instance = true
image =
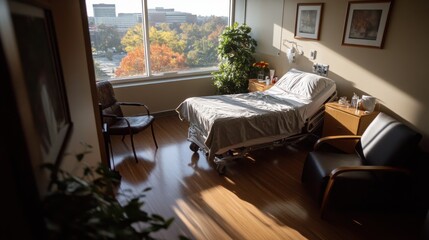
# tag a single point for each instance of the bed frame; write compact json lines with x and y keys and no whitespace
{"x":311,"y":125}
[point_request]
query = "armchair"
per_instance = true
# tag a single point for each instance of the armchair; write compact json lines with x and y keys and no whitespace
{"x":117,"y":123}
{"x":383,"y":159}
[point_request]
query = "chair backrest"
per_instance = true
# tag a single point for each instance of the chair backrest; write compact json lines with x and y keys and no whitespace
{"x":388,"y":142}
{"x":107,"y":99}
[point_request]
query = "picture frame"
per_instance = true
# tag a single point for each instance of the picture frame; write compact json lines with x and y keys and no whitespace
{"x":42,"y":82}
{"x":308,"y":20}
{"x":366,"y":23}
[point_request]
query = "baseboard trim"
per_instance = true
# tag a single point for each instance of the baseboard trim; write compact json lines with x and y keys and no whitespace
{"x":165,"y":113}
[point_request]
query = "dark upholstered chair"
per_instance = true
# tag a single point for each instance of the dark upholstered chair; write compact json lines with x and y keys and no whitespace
{"x":383,"y":155}
{"x":117,"y":123}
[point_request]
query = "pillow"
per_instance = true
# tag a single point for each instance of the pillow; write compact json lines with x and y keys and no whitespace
{"x":303,"y":84}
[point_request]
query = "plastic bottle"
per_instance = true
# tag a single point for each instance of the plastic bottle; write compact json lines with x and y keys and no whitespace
{"x":267,"y":80}
{"x":355,"y":100}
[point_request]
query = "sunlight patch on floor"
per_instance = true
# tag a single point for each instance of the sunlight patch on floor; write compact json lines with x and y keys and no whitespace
{"x":290,"y":208}
{"x":232,"y":216}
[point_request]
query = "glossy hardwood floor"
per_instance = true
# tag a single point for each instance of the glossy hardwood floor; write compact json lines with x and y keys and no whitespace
{"x":260,"y":197}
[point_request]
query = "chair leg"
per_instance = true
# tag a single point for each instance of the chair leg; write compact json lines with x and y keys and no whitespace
{"x":153,"y":135}
{"x":326,"y":196}
{"x":109,"y":142}
{"x":134,"y":150}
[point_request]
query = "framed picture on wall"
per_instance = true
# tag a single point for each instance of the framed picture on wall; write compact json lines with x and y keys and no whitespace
{"x":43,"y":80}
{"x":308,"y":20}
{"x":366,"y":23}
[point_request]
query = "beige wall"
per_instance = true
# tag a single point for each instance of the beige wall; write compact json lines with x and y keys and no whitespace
{"x":396,"y":74}
{"x":70,"y":38}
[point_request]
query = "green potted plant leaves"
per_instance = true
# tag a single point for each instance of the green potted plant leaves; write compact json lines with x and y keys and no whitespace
{"x":235,"y":52}
{"x":85,"y":207}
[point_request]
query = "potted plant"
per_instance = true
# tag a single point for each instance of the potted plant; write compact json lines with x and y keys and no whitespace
{"x":85,"y":207}
{"x":261,"y":68}
{"x":235,"y":52}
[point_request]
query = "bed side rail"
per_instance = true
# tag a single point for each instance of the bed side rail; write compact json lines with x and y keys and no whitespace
{"x":316,"y":120}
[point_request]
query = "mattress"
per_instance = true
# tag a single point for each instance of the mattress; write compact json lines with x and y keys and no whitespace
{"x":222,"y":122}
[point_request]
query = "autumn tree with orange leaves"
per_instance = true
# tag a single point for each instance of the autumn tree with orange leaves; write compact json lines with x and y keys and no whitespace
{"x":172,"y":48}
{"x":162,"y":57}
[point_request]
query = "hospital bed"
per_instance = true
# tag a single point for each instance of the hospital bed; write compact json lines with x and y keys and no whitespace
{"x":227,"y":127}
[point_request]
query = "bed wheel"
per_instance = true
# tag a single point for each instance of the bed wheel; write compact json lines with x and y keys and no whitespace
{"x":194,"y":147}
{"x":221,"y":169}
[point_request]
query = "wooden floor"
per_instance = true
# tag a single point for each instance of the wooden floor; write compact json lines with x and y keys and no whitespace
{"x":260,"y":197}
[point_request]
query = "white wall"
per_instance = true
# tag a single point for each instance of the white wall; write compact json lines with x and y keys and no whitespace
{"x":269,"y":36}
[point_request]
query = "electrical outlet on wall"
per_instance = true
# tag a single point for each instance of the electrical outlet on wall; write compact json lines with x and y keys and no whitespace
{"x":325,"y":70}
{"x":315,"y":66}
{"x":321,"y":69}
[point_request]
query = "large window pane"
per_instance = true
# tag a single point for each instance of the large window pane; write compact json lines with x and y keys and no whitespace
{"x":183,"y":36}
{"x":115,"y":28}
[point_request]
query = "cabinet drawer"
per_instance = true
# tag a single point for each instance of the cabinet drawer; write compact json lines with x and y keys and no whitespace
{"x":337,"y":122}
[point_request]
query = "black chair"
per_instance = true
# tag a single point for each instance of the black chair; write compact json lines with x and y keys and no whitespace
{"x":117,"y":123}
{"x":382,"y":164}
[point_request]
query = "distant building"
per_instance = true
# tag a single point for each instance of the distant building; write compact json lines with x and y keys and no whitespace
{"x":122,"y":22}
{"x":105,"y":14}
{"x":104,"y":10}
{"x":168,"y":15}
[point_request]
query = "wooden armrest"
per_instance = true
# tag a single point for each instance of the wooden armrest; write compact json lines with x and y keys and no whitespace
{"x":340,"y":170}
{"x":333,"y":138}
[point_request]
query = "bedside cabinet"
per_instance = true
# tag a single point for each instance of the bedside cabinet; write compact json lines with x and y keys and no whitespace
{"x":255,"y":85}
{"x":342,"y":120}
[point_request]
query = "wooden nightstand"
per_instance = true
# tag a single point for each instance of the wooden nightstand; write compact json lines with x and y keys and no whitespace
{"x":255,"y":85}
{"x":341,"y":120}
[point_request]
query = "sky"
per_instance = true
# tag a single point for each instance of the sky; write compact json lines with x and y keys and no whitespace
{"x":199,"y":7}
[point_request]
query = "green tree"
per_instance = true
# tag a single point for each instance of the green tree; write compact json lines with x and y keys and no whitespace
{"x":203,"y":53}
{"x":235,"y":51}
{"x":190,"y":33}
{"x":106,"y":38}
{"x":162,"y":36}
{"x":202,"y":41}
{"x":165,"y":36}
{"x":133,"y":38}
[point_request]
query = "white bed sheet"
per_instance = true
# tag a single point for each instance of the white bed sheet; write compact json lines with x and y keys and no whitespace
{"x":223,"y":122}
{"x":310,"y":107}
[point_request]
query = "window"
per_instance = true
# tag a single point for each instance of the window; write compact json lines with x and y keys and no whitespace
{"x":176,"y":37}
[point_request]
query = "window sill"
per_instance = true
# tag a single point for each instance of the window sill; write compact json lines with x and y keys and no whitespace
{"x":161,"y":78}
